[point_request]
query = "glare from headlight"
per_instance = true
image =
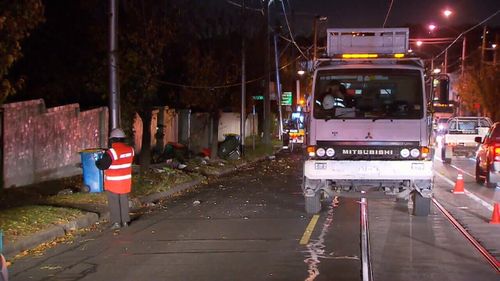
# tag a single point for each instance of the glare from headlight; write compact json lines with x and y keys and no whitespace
{"x":405,"y":152}
{"x":330,"y":152}
{"x":415,"y":153}
{"x":320,"y":152}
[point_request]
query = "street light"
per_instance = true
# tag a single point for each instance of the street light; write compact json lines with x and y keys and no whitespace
{"x":431,"y":27}
{"x":419,"y":43}
{"x":447,"y":13}
{"x":300,"y":73}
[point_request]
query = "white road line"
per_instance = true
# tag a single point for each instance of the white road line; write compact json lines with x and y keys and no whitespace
{"x":365,"y":242}
{"x":468,"y":193}
{"x":463,"y":171}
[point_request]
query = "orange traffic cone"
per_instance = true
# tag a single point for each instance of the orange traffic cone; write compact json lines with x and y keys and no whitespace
{"x":495,"y":217}
{"x":459,"y":185}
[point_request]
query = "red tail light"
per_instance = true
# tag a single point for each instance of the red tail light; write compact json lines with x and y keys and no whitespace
{"x":496,"y":153}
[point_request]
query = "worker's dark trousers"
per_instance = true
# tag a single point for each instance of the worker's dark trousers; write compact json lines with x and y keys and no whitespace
{"x":118,"y":207}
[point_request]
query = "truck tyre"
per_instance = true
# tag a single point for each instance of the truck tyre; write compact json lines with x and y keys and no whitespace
{"x":421,"y":205}
{"x":313,"y":203}
{"x":479,"y":178}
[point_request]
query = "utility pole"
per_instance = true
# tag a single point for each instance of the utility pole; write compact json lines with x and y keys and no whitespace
{"x":462,"y":68}
{"x":495,"y":50}
{"x":445,"y":61}
{"x":243,"y":80}
{"x":278,"y":83}
{"x":114,"y":85}
{"x":483,"y":50}
{"x":293,"y":52}
{"x":315,"y":38}
{"x":483,"y":47}
{"x":267,"y":97}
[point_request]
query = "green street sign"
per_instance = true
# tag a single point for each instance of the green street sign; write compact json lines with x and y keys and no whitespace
{"x":286,"y":98}
{"x":258,"y":97}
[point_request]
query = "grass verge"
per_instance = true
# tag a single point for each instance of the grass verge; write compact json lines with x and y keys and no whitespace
{"x":26,"y":220}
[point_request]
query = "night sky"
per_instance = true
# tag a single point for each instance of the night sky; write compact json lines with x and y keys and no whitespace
{"x":371,"y":13}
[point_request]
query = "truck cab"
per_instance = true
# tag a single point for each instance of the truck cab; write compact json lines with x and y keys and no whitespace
{"x":369,"y":125}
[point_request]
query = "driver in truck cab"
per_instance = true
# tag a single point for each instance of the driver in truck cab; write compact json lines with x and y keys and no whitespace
{"x":334,"y":96}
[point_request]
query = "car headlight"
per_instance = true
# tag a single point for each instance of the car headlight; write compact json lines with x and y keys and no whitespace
{"x":405,"y":152}
{"x":415,"y":153}
{"x":320,"y":152}
{"x":330,"y":152}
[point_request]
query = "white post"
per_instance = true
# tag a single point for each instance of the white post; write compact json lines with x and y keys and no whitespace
{"x":298,"y":91}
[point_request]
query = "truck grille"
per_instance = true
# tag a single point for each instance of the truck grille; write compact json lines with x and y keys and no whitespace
{"x":368,"y":151}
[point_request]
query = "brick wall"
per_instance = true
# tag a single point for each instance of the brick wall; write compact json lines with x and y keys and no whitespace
{"x":40,"y":144}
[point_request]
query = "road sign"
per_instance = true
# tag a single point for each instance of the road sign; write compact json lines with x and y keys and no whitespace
{"x":258,"y":97}
{"x":286,"y":98}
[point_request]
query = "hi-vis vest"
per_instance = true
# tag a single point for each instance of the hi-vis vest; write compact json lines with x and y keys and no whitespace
{"x":118,"y":177}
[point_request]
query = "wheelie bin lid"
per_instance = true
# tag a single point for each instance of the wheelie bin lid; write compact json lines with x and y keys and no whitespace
{"x":91,"y":150}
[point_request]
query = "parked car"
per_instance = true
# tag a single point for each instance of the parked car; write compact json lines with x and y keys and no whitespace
{"x":488,"y":157}
{"x":459,"y":139}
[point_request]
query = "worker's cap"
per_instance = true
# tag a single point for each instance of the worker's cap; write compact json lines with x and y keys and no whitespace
{"x":117,"y":133}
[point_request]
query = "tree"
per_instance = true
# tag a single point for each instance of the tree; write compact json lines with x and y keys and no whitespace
{"x":17,"y":20}
{"x":478,"y":86}
{"x":144,"y":35}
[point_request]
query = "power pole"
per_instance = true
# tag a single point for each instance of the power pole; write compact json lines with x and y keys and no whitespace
{"x":462,"y":68}
{"x":315,"y":38}
{"x":495,"y":50}
{"x":278,"y":82}
{"x":445,"y":61}
{"x":483,"y":47}
{"x":114,"y":84}
{"x":243,"y":80}
{"x":267,"y":97}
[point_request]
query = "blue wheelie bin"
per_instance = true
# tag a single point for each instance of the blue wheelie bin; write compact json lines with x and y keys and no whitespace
{"x":93,"y":178}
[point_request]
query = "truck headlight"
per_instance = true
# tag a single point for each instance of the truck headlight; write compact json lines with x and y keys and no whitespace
{"x":415,"y":153}
{"x":405,"y":152}
{"x":320,"y":152}
{"x":330,"y":152}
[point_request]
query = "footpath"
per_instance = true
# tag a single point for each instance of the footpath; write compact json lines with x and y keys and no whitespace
{"x":65,"y":212}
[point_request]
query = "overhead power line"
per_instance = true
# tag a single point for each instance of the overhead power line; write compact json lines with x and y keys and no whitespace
{"x":463,"y":33}
{"x":246,"y":7}
{"x":290,"y":31}
{"x":388,"y":12}
{"x":225,"y":86}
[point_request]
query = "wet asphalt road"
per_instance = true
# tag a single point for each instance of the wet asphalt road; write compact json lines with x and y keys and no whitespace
{"x":248,"y":226}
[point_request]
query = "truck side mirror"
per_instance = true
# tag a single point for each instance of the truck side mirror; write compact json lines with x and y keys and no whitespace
{"x":478,"y":139}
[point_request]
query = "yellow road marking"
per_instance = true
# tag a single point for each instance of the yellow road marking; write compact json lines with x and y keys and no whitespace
{"x":309,"y":230}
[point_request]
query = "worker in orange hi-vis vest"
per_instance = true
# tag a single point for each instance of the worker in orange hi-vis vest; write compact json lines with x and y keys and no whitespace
{"x":4,"y":275}
{"x":117,"y":165}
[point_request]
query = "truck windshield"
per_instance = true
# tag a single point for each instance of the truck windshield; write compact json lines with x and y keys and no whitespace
{"x":368,"y":94}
